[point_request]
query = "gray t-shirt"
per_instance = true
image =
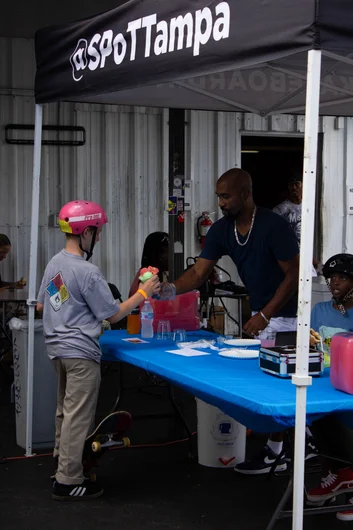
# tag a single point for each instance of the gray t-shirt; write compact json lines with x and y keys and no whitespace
{"x":76,"y":300}
{"x":293,"y":213}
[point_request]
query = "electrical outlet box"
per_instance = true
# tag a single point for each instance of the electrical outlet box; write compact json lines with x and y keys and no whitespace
{"x":53,"y":220}
{"x":350,"y":199}
{"x":187,"y":195}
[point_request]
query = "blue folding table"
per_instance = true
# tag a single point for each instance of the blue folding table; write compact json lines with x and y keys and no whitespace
{"x":238,"y":387}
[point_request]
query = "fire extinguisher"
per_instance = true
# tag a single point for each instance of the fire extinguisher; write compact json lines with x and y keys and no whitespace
{"x":204,"y":223}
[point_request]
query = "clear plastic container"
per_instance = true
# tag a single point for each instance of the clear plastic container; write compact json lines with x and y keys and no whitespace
{"x":146,"y":314}
{"x":182,"y":312}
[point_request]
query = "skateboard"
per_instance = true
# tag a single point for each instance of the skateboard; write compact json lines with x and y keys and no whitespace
{"x":109,"y":433}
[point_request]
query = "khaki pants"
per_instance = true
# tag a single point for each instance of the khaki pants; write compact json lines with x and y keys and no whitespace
{"x":78,"y":387}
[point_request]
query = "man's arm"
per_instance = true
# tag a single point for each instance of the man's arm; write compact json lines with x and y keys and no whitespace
{"x":20,"y":284}
{"x":285,"y":291}
{"x":195,"y":276}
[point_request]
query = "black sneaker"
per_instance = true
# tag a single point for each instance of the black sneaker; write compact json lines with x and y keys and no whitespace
{"x":77,"y":492}
{"x":311,"y":450}
{"x":262,"y":463}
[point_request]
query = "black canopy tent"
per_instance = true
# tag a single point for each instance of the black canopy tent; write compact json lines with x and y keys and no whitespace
{"x":236,"y":55}
{"x":261,"y":56}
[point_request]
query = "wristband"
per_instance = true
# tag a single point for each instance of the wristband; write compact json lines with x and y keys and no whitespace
{"x":263,"y":316}
{"x":141,"y":291}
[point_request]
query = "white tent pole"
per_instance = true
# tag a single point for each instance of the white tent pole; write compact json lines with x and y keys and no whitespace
{"x":301,"y":378}
{"x":31,"y":302}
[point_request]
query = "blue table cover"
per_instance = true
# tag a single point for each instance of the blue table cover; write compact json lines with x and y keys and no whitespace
{"x":260,"y":401}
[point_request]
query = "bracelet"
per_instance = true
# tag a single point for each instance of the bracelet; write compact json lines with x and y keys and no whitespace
{"x":141,"y":291}
{"x":265,"y":319}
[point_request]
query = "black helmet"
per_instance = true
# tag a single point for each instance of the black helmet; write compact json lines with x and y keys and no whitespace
{"x":339,"y":263}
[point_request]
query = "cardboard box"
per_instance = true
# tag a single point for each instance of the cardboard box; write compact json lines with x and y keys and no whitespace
{"x":216,"y":321}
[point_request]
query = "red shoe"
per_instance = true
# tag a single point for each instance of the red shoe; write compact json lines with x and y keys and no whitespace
{"x":332,"y":485}
{"x":346,"y":516}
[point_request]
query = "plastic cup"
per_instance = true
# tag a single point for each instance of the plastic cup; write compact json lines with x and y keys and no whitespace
{"x":179,"y":335}
{"x":268,"y":340}
{"x":163,"y":330}
{"x":220,"y":341}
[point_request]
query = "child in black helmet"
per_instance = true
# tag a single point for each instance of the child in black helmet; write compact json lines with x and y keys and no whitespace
{"x":332,"y":317}
{"x":333,"y":436}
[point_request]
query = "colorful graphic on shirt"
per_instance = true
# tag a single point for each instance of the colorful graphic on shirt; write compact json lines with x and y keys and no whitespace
{"x":57,"y":290}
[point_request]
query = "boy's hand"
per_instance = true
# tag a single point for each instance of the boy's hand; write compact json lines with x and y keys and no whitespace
{"x":151,"y":286}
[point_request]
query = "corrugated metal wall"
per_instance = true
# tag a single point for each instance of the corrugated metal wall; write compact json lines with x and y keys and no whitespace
{"x":121,"y":166}
{"x":337,"y":220}
{"x":124,"y":165}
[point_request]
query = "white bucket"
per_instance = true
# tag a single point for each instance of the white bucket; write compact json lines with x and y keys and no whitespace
{"x":221,"y":440}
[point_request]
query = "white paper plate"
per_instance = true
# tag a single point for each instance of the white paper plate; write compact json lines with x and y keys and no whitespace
{"x":243,"y":342}
{"x":239,"y":353}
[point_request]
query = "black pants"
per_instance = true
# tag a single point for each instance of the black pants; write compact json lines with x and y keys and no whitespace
{"x":333,"y":438}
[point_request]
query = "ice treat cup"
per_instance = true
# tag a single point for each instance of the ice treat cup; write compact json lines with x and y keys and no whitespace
{"x":146,"y":273}
{"x":145,"y":277}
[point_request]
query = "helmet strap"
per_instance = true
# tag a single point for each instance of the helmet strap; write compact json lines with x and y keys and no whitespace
{"x":89,"y":253}
{"x":340,"y":301}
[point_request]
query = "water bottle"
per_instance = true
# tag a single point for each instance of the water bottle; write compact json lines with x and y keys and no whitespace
{"x":146,"y":314}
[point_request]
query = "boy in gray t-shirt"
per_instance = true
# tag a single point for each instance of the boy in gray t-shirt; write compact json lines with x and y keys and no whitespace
{"x":75,"y":299}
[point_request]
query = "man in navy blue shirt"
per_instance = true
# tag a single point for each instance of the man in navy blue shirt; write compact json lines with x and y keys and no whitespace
{"x":262,"y":245}
{"x":265,"y":250}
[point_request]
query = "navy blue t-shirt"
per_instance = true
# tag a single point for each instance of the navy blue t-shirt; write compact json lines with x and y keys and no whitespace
{"x":272,"y":240}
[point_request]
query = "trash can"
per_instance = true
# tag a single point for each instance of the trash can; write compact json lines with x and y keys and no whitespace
{"x":44,"y":386}
{"x":221,"y":440}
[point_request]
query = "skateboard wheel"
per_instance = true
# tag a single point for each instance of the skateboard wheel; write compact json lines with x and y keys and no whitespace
{"x":126,"y":441}
{"x":96,"y":447}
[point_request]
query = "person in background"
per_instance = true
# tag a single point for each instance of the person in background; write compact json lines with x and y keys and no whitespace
{"x":154,"y":254}
{"x":265,"y":251}
{"x":333,"y":437}
{"x":75,"y":299}
{"x":291,"y":208}
{"x":5,"y":247}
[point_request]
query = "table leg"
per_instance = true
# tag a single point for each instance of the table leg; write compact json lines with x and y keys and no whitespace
{"x":120,"y":389}
{"x":240,"y":317}
{"x":177,"y":412}
{"x":277,"y":513}
{"x":181,"y":417}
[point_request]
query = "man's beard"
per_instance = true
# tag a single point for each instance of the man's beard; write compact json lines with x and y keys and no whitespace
{"x":231,"y":216}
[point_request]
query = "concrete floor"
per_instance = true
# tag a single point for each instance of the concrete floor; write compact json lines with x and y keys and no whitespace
{"x":150,"y":488}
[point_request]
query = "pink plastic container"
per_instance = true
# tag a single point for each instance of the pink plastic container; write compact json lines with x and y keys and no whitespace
{"x":182,"y":312}
{"x":341,"y":365}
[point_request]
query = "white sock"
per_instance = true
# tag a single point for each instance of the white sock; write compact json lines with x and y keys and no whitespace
{"x":276,"y":447}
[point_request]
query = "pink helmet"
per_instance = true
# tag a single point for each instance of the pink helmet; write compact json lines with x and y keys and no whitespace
{"x":76,"y":216}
